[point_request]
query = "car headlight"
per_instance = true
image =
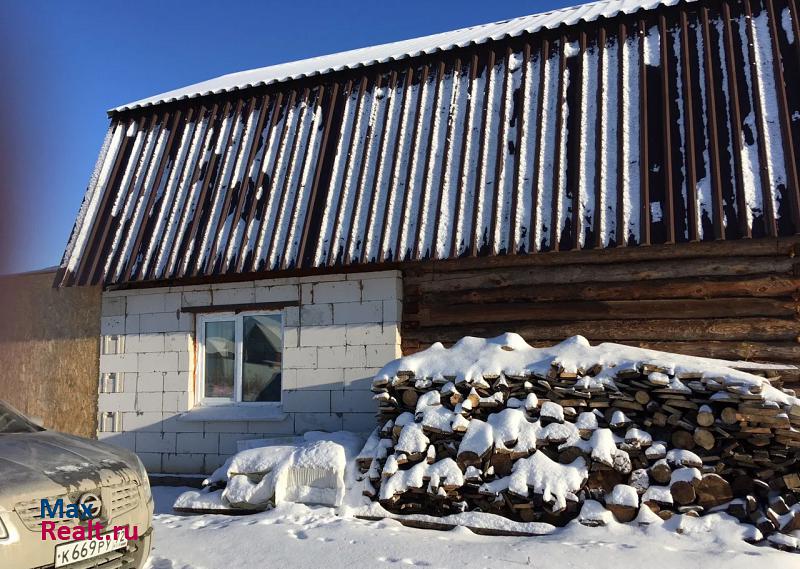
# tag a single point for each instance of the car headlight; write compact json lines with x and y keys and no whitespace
{"x":3,"y":530}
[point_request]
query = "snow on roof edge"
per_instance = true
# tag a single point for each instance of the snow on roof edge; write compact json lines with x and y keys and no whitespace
{"x":403,"y":49}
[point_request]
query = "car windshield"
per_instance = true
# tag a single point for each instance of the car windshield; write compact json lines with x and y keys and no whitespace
{"x":12,"y":421}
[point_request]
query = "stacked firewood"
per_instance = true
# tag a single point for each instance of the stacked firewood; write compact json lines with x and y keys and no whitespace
{"x":642,"y":439}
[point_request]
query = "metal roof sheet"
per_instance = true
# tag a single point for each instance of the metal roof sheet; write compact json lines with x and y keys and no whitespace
{"x":402,"y":49}
{"x":670,"y":127}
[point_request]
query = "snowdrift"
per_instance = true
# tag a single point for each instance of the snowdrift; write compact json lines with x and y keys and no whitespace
{"x":312,"y":471}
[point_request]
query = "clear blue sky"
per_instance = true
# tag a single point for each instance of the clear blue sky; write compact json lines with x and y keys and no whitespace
{"x":63,"y":64}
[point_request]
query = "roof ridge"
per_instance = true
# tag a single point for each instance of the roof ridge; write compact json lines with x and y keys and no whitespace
{"x":401,"y":49}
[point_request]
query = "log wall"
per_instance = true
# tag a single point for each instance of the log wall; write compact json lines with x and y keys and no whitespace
{"x":735,"y":301}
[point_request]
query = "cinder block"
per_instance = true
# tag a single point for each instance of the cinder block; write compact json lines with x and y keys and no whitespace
{"x":124,"y":440}
{"x":185,"y":361}
{"x":389,"y":288}
{"x":279,"y":293}
{"x":227,"y":441}
{"x":322,"y":378}
{"x":175,"y":402}
{"x":144,"y":343}
{"x":373,"y":333}
{"x":139,"y":421}
{"x":300,"y":358}
{"x":183,"y":463}
{"x":225,"y":426}
{"x":358,"y":312}
{"x":392,"y":311}
{"x":196,"y":298}
{"x":112,"y":325}
{"x":234,"y":295}
{"x":307,"y":401}
{"x":323,"y":278}
{"x":117,"y":402}
{"x":145,"y":303}
{"x":166,"y":322}
{"x":359,"y":422}
{"x":304,"y":422}
{"x":151,"y":461}
{"x":337,"y":291}
{"x":149,"y":402}
{"x":232,"y":285}
{"x":176,"y":381}
{"x":291,"y":337}
{"x":359,"y":378}
{"x":172,"y":301}
{"x":175,"y":424}
{"x":118,"y":362}
{"x":316,"y":315}
{"x":289,"y":378}
{"x":155,"y":442}
{"x":373,"y":275}
{"x":307,"y":293}
{"x":379,"y":356}
{"x":212,"y":462}
{"x":322,"y":336}
{"x":132,"y":324}
{"x":150,"y":381}
{"x":276,"y":282}
{"x":341,"y":357}
{"x":177,"y":341}
{"x":291,"y":316}
{"x":112,"y":306}
{"x":266,"y":428}
{"x":197,"y":443}
{"x":162,"y":361}
{"x":353,"y":402}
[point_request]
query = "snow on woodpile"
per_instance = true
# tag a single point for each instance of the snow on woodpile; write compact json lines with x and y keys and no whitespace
{"x":594,"y":433}
{"x":313,"y":471}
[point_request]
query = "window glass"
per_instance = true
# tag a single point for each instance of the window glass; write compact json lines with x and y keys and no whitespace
{"x":261,"y":358}
{"x":220,"y":364}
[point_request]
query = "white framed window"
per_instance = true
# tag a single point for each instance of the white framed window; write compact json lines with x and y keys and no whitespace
{"x":239,"y":358}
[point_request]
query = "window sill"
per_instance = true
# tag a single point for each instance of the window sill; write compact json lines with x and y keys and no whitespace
{"x":234,"y":413}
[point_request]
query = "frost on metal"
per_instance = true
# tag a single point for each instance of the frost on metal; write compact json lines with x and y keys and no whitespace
{"x":520,"y":145}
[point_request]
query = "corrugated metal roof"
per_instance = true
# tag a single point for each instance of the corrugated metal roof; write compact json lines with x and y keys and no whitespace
{"x":403,"y":49}
{"x":665,"y":127}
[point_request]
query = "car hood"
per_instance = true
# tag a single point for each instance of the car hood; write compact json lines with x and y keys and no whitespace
{"x":46,"y":463}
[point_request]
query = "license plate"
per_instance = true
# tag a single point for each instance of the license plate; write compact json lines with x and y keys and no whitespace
{"x":75,"y":551}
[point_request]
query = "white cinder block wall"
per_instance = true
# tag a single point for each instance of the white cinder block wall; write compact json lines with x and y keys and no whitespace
{"x":345,"y":329}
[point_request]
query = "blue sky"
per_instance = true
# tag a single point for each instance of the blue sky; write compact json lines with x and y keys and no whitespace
{"x":65,"y":63}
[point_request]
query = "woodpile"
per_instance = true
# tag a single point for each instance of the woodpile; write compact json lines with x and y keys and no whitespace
{"x":535,"y":446}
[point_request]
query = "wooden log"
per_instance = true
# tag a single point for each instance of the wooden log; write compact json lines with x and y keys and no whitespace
{"x":683,"y":440}
{"x":438,"y":315}
{"x":704,"y":438}
{"x":713,"y":490}
{"x":409,"y":398}
{"x":660,"y":473}
{"x":758,"y":286}
{"x":683,"y":493}
{"x":729,"y":416}
{"x":623,"y":514}
{"x":705,"y":417}
{"x":613,"y":272}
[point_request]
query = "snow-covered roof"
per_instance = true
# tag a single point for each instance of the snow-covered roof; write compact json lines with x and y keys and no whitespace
{"x":594,"y":138}
{"x":394,"y":51}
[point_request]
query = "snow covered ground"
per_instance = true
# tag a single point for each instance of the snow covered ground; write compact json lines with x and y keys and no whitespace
{"x":297,"y":536}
